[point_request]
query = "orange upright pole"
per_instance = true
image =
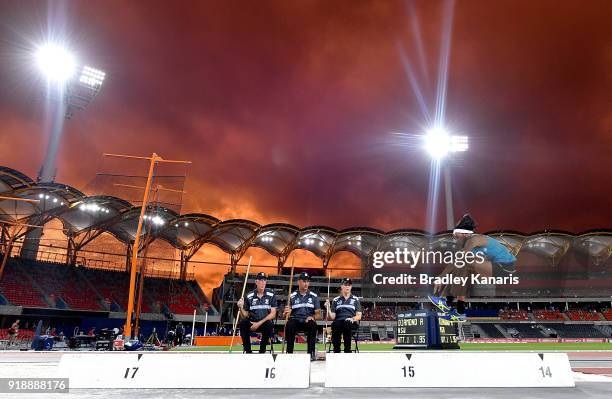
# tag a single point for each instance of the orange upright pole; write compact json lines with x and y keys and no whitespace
{"x":143,"y":269}
{"x":127,"y":331}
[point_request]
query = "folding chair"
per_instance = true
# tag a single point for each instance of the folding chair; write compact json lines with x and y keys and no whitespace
{"x":354,"y":337}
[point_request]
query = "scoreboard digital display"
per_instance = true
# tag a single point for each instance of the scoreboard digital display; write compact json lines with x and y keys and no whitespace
{"x":425,"y":329}
{"x":412,"y":329}
{"x":448,"y":333}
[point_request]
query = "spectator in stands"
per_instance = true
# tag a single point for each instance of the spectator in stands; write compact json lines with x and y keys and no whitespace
{"x":258,"y":310}
{"x":13,"y":332}
{"x":180,"y":334}
{"x":345,"y":311}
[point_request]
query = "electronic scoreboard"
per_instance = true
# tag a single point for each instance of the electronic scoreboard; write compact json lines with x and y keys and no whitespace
{"x":425,"y":329}
{"x":412,"y":329}
{"x":449,"y":332}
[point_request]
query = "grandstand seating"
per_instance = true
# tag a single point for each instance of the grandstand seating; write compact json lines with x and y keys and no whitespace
{"x":84,"y":288}
{"x":16,"y":289}
{"x":551,"y":315}
{"x":199,"y":295}
{"x":64,"y":282}
{"x":23,"y":335}
{"x":480,"y":313}
{"x":576,"y":330}
{"x":525,"y":330}
{"x":173,"y":293}
{"x":513,"y":314}
{"x":33,"y":283}
{"x":383,"y":312}
{"x":583,"y":315}
{"x":379,"y":313}
{"x":112,"y":286}
{"x":490,"y":330}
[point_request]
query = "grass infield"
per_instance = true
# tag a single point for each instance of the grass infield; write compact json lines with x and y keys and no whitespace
{"x":544,"y":346}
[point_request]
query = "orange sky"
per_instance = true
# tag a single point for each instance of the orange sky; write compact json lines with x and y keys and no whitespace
{"x":286,"y":107}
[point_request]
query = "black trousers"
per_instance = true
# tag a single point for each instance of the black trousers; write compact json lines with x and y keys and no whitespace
{"x":342,"y":329}
{"x":310,"y":328}
{"x":245,"y":332}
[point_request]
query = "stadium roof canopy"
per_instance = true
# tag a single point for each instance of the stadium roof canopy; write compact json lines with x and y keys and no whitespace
{"x":11,"y":180}
{"x":24,"y":201}
{"x":86,"y":217}
{"x":93,"y":213}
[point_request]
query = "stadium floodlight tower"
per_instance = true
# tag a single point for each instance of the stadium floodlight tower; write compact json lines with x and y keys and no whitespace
{"x":72,"y":87}
{"x":440,"y":144}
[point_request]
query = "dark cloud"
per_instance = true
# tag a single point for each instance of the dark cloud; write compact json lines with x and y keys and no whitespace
{"x":285,"y":108}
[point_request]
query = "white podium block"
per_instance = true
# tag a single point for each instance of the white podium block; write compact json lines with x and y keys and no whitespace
{"x":448,"y":370}
{"x":185,"y":370}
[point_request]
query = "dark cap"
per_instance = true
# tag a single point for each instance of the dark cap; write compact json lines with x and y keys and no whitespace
{"x":304,"y":276}
{"x":261,"y":276}
{"x":346,"y":281}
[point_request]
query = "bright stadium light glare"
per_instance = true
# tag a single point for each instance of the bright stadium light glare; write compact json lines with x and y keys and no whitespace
{"x":157,"y":220}
{"x":55,"y":62}
{"x":459,"y":143}
{"x":92,"y":77}
{"x":438,"y":143}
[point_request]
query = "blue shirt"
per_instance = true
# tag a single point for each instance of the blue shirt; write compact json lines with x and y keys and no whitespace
{"x":495,"y":252}
{"x":259,"y":307}
{"x":345,"y":307}
{"x":303,"y":306}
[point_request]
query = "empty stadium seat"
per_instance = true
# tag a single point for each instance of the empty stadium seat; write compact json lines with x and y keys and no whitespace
{"x":175,"y":294}
{"x":513,"y":314}
{"x":582,"y":315}
{"x":84,"y":288}
{"x":576,"y":330}
{"x":490,"y":330}
{"x":15,"y":287}
{"x":63,"y":281}
{"x":113,"y":286}
{"x":548,"y":315}
{"x":525,"y":330}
